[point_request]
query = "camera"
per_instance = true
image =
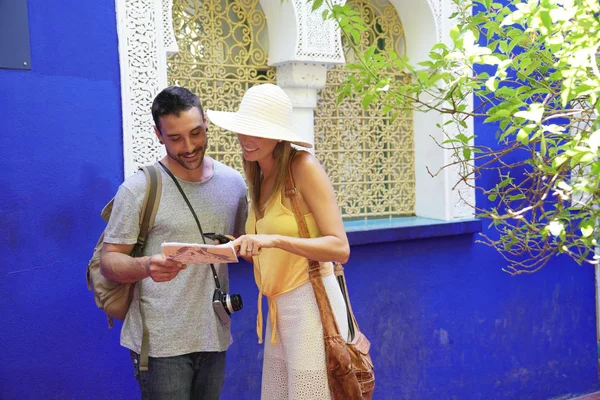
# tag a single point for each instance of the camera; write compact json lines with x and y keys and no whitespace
{"x":225,"y":304}
{"x":217,"y":236}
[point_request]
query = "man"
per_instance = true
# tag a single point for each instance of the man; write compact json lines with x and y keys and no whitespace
{"x":187,"y":341}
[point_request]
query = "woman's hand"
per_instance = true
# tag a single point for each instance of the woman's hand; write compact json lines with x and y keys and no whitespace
{"x":252,"y":245}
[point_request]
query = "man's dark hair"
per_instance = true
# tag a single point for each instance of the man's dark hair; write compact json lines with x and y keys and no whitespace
{"x":174,"y":100}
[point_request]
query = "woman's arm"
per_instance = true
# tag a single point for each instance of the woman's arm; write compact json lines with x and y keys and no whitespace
{"x":318,"y":197}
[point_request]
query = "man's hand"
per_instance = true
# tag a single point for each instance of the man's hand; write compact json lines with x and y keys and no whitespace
{"x":161,"y":269}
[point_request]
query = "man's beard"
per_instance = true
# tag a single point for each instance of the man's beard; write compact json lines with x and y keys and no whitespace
{"x":191,"y":165}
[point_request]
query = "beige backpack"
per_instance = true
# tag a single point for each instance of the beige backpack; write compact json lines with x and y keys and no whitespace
{"x":114,"y":297}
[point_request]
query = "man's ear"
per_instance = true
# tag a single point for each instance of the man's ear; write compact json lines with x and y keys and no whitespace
{"x":158,"y":134}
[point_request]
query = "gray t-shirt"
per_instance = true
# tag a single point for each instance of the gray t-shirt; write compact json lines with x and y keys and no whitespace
{"x":179,"y":313}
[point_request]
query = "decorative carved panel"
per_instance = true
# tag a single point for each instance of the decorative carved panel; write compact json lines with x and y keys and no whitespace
{"x":140,"y":56}
{"x":436,"y":7}
{"x":318,"y":40}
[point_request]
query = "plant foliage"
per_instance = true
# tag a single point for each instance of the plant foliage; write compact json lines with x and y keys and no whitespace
{"x":533,"y":68}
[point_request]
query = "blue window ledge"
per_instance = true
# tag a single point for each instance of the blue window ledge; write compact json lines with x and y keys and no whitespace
{"x":406,"y":228}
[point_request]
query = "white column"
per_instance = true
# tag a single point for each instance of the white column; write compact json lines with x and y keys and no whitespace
{"x":301,"y":81}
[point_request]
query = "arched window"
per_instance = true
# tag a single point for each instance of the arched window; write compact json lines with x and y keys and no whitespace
{"x":369,"y":158}
{"x":222,"y":53}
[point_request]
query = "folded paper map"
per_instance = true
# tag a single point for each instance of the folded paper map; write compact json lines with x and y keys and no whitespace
{"x":196,"y":253}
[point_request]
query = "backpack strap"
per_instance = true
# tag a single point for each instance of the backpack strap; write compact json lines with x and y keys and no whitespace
{"x":149,"y":210}
{"x":151,"y":201}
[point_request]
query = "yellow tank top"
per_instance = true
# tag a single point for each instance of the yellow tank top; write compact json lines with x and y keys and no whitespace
{"x":277,"y":271}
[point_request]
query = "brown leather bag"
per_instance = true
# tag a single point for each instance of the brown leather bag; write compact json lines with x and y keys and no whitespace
{"x":349,"y":366}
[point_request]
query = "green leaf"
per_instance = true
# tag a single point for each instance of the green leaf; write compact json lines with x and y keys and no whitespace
{"x":543,"y":145}
{"x":387,"y":108}
{"x":454,"y":33}
{"x":317,"y":4}
{"x":523,"y":137}
{"x":466,"y":153}
{"x":587,"y":228}
{"x":439,"y":46}
{"x":492,"y":84}
{"x":546,"y":19}
{"x":515,"y":197}
{"x":594,"y":141}
{"x":448,"y":141}
{"x":502,"y":113}
{"x":367,"y":100}
{"x":525,"y":62}
{"x":586,"y":158}
{"x":355,"y":36}
{"x":463,"y":138}
{"x":559,"y":160}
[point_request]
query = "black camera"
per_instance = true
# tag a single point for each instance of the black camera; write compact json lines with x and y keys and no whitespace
{"x":217,"y":236}
{"x":225,"y":304}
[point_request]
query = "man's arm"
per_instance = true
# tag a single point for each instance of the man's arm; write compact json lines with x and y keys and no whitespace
{"x":117,"y":265}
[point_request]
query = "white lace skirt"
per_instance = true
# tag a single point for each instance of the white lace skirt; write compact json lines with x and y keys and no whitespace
{"x":294,"y":368}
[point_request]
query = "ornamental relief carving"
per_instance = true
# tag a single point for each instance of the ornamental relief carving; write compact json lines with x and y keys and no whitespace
{"x":169,"y":41}
{"x":437,"y":9}
{"x":139,"y":62}
{"x":318,"y":41}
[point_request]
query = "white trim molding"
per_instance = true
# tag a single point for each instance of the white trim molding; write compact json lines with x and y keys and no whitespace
{"x":143,"y":66}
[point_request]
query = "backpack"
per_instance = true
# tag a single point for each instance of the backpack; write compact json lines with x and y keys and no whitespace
{"x":114,"y":297}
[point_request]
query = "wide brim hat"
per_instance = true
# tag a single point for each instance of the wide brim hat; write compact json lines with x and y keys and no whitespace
{"x":265,"y":112}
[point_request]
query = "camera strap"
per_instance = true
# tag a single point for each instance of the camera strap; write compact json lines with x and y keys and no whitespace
{"x":214,"y":271}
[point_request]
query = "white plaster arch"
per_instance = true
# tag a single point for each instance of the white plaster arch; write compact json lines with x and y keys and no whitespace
{"x":420,"y":20}
{"x":297,"y":34}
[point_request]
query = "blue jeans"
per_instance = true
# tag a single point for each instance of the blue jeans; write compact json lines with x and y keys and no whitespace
{"x":195,"y":376}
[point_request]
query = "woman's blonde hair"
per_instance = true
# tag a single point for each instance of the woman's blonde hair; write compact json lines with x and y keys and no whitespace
{"x":283,"y":154}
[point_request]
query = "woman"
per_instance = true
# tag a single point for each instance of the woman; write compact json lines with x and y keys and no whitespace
{"x":294,"y":364}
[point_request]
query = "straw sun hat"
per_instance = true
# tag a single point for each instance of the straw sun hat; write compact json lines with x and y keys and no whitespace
{"x":265,"y":112}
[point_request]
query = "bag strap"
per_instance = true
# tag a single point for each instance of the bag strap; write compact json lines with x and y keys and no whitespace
{"x":151,"y":201}
{"x":149,"y":210}
{"x":214,"y":271}
{"x":338,"y":270}
{"x":329,"y":324}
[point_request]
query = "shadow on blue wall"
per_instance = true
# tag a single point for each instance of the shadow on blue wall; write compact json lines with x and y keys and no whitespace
{"x":444,"y":321}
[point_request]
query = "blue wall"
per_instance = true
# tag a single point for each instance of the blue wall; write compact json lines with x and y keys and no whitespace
{"x":445,"y":322}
